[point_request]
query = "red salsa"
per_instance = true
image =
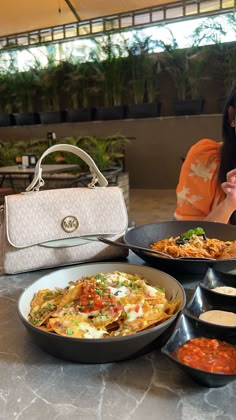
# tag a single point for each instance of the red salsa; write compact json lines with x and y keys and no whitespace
{"x":96,"y":296}
{"x":208,"y":354}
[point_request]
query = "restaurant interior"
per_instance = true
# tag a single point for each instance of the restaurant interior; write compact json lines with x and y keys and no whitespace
{"x":107,"y":312}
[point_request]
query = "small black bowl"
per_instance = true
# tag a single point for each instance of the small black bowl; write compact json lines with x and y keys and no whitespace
{"x":204,"y":300}
{"x":187,"y":328}
{"x":215,"y":278}
{"x":226,"y":267}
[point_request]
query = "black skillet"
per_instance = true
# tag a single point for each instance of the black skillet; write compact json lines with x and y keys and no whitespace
{"x":145,"y":235}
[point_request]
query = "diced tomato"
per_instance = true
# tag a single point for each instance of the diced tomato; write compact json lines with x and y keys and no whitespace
{"x":95,"y":296}
{"x":208,"y":354}
{"x":118,"y":308}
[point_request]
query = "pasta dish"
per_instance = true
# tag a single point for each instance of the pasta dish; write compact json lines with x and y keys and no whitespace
{"x":195,"y":244}
{"x":103,"y":305}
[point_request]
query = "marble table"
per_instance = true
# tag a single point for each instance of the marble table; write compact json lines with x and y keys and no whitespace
{"x":35,"y":385}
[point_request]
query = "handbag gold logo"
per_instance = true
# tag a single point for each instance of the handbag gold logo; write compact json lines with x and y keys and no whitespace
{"x":70,"y":224}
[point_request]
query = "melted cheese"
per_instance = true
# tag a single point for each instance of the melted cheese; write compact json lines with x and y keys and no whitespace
{"x":91,"y":332}
{"x":132,"y":312}
{"x":119,"y":291}
{"x":117,"y":276}
{"x":149,"y":290}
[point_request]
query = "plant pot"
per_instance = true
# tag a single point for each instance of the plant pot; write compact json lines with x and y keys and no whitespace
{"x":6,"y":120}
{"x":189,"y":107}
{"x":110,"y":113}
{"x":112,"y":174}
{"x":147,"y":110}
{"x":80,"y":115}
{"x":29,"y":118}
{"x":52,"y":117}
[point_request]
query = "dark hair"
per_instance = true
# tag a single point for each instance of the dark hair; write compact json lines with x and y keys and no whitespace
{"x":228,"y":151}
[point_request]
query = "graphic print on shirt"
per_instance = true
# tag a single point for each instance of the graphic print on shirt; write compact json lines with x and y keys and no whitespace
{"x":184,"y":196}
{"x":202,"y":170}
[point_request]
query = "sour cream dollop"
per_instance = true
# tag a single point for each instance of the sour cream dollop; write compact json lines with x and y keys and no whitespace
{"x":228,"y":319}
{"x":225,"y":290}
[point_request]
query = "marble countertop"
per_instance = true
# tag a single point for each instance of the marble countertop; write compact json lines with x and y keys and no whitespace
{"x":36,"y":385}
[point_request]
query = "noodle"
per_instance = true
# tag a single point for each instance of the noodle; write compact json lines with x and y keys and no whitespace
{"x":195,"y":247}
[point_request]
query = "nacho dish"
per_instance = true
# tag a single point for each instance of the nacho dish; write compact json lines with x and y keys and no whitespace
{"x":103,"y":305}
{"x":195,"y":244}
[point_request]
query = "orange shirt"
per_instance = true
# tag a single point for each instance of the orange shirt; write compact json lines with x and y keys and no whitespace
{"x":198,"y":190}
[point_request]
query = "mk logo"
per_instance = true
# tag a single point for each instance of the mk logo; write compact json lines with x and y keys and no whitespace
{"x":70,"y":224}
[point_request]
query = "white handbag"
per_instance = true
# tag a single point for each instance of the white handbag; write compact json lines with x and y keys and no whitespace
{"x":51,"y":228}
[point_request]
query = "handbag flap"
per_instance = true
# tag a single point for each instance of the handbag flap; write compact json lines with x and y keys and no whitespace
{"x":38,"y":217}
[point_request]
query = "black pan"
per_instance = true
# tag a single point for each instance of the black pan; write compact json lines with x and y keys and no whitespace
{"x":145,"y":235}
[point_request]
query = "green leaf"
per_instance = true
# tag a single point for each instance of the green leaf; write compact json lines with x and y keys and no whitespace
{"x":197,"y":231}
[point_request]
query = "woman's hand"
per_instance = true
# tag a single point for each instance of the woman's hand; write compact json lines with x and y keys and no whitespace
{"x":224,"y":210}
{"x":229,"y":188}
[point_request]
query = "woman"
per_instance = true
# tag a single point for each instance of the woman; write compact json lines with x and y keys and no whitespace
{"x":207,"y":183}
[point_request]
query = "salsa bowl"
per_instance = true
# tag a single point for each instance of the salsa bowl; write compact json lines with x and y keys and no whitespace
{"x":186,"y":329}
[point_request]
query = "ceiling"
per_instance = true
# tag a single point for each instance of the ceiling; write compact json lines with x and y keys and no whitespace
{"x":26,"y":15}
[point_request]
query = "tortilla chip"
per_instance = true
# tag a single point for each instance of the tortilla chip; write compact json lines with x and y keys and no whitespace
{"x":43,"y":305}
{"x":71,"y":295}
{"x":126,"y":304}
{"x":76,"y":327}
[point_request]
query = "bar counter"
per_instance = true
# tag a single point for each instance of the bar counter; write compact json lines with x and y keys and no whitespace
{"x":35,"y":385}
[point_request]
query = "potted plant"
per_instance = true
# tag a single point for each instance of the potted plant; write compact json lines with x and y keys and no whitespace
{"x":229,"y":61}
{"x":7,"y":67}
{"x":24,"y":84}
{"x":107,"y":152}
{"x":215,"y":56}
{"x":185,"y":69}
{"x":5,"y":105}
{"x":107,"y":60}
{"x":79,"y":85}
{"x":143,"y":82}
{"x":17,"y":89}
{"x":52,"y":79}
{"x":229,"y":70}
{"x":8,"y":153}
{"x":192,"y":102}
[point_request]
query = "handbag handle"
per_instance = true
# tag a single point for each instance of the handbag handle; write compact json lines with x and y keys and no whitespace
{"x":98,"y":177}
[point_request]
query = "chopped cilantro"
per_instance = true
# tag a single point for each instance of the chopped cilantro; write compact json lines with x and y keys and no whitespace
{"x":69,"y":331}
{"x":48,"y":295}
{"x":37,"y":321}
{"x":159,"y":289}
{"x":133,"y":285}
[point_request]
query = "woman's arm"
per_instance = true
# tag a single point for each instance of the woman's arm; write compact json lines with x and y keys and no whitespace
{"x":198,"y":187}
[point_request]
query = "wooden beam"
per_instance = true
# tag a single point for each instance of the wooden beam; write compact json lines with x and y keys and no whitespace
{"x":73,"y":10}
